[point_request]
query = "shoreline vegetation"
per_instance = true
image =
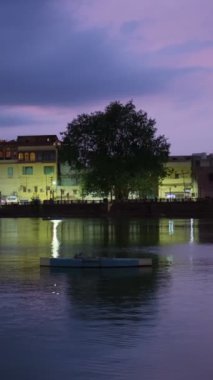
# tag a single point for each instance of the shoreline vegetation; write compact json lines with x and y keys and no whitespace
{"x":200,"y":208}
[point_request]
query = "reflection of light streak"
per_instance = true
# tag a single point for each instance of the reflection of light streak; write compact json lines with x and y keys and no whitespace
{"x":55,"y":245}
{"x":191,"y":230}
{"x":171,"y":227}
{"x":170,"y":260}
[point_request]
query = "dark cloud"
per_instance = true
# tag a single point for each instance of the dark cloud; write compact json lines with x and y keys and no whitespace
{"x":10,"y":121}
{"x":46,"y":60}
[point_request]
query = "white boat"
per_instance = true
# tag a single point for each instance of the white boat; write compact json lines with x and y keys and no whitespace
{"x":101,"y":262}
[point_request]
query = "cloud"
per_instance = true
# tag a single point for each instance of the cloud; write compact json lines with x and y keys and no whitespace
{"x":59,"y":59}
{"x":48,"y":60}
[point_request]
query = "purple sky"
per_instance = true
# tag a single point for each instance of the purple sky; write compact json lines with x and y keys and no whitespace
{"x":60,"y":58}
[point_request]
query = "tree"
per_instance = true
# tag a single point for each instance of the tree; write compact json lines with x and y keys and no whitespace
{"x":116,"y":151}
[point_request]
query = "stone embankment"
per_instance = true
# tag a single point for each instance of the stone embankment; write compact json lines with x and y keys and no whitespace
{"x":139,"y":208}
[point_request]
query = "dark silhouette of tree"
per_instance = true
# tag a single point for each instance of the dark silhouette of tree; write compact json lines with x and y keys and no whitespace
{"x":115,"y":151}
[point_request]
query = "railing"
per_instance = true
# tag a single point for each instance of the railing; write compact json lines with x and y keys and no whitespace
{"x":103,"y":201}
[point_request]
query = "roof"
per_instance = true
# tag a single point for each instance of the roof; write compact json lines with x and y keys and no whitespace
{"x":37,"y":140}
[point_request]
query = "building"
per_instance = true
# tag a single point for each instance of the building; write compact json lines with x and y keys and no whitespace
{"x":179,"y":182}
{"x":8,"y":169}
{"x":68,"y":183}
{"x":29,"y":167}
{"x":202,"y":167}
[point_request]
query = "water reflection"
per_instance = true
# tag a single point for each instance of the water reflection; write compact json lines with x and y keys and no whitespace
{"x":123,"y":293}
{"x":191,"y":230}
{"x":205,"y":231}
{"x":171,"y":227}
{"x":97,"y":235}
{"x":123,"y":299}
{"x":105,"y":237}
{"x":55,"y":241}
{"x":107,"y":324}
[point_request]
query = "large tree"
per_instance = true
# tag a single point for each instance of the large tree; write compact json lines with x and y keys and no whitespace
{"x":115,"y":151}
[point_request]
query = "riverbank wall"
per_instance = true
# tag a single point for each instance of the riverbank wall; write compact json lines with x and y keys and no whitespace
{"x":142,"y":209}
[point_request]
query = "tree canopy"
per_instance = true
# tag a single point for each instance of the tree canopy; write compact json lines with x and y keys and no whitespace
{"x":115,"y":151}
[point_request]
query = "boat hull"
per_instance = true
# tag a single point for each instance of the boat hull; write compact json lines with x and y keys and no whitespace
{"x":95,"y":263}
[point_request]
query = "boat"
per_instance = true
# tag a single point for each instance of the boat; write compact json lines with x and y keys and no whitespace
{"x":89,"y":262}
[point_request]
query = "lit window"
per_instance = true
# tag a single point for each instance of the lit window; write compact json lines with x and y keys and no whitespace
{"x":26,"y":156}
{"x":27,"y":170}
{"x":10,"y":172}
{"x":32,"y":156}
{"x":20,"y":156}
{"x":48,"y":170}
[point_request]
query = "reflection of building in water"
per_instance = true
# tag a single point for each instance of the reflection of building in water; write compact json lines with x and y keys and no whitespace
{"x":55,"y":244}
{"x":178,"y":231}
{"x":25,"y":232}
{"x":109,"y":232}
{"x":205,"y":231}
{"x":191,"y":230}
{"x":171,"y":227}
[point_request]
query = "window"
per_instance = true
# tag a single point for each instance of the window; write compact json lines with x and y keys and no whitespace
{"x":26,"y":156}
{"x":35,"y":189}
{"x":177,"y":175}
{"x":39,"y":156}
{"x":27,"y":170}
{"x":10,"y":172}
{"x":8,"y":154}
{"x":48,"y":155}
{"x":21,"y":156}
{"x":32,"y":156}
{"x":48,"y":170}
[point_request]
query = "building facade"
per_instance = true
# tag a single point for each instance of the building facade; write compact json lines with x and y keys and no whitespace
{"x":179,"y":182}
{"x":202,"y":167}
{"x":30,"y":169}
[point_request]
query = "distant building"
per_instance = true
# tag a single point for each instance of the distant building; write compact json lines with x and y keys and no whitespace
{"x":202,"y":167}
{"x":68,"y":181}
{"x":9,"y":173}
{"x":29,"y":167}
{"x":179,"y":182}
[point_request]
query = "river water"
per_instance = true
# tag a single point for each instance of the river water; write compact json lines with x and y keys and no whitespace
{"x":106,"y":324}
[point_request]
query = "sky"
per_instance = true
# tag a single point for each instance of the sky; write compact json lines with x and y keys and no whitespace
{"x":61,"y":58}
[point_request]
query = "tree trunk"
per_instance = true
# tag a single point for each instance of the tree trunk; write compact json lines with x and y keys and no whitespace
{"x":121,"y":193}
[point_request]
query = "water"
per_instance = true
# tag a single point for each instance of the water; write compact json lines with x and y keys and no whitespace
{"x":108,"y":324}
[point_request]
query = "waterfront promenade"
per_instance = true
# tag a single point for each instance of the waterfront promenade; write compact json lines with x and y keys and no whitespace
{"x":201,"y":208}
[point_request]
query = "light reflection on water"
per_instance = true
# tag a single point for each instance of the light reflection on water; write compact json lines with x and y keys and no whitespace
{"x":119,"y":324}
